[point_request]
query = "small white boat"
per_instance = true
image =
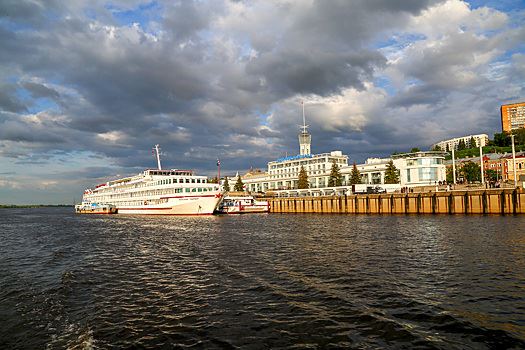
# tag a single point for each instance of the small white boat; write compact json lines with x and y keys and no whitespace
{"x":242,"y":205}
{"x":95,"y":208}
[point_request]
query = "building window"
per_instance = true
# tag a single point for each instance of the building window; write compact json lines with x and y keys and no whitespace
{"x":427,"y":174}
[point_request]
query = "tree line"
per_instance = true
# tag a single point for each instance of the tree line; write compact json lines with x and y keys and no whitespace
{"x":336,"y":178}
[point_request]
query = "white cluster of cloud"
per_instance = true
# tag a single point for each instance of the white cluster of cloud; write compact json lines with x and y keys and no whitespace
{"x":209,"y":79}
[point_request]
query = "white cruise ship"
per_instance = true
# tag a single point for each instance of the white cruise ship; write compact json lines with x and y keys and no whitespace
{"x":158,"y":192}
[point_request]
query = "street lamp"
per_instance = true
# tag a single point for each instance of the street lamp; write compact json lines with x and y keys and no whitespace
{"x":514,"y":161}
{"x":481,"y":163}
{"x":453,"y":165}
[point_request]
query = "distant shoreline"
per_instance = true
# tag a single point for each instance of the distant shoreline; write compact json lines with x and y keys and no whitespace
{"x":7,"y":206}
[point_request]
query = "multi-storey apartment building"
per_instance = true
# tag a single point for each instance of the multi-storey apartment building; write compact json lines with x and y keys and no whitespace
{"x":512,"y":116}
{"x":447,"y":145}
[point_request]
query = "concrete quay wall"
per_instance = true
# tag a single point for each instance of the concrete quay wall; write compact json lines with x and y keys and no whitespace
{"x":500,"y":202}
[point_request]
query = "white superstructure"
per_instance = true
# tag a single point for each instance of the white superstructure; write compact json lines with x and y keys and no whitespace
{"x":160,"y":192}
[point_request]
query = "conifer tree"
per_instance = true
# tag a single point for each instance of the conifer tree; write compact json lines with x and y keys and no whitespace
{"x":239,"y":186}
{"x":226,"y":185}
{"x":355,"y":176}
{"x":391,"y":173}
{"x":303,"y":179}
{"x":472,"y":142}
{"x":335,"y":179}
{"x":461,"y":145}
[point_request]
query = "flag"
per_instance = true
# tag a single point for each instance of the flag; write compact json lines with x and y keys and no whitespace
{"x":218,"y":162}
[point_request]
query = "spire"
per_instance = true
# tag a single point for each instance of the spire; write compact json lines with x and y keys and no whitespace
{"x":305,"y":139}
{"x":304,"y":127}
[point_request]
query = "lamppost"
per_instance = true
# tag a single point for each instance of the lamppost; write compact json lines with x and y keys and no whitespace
{"x":453,"y":165}
{"x":514,"y":161}
{"x":481,"y":163}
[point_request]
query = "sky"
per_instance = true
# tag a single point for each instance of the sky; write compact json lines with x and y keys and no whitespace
{"x":87,"y":88}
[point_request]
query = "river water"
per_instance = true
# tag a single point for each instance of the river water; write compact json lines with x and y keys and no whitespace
{"x":261,"y":281}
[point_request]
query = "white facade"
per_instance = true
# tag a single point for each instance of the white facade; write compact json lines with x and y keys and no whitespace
{"x":415,"y":169}
{"x":283,"y":173}
{"x":420,"y":168}
{"x":480,"y":139}
{"x":372,"y":171}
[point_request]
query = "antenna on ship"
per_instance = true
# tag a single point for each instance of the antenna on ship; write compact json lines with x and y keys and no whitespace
{"x":157,"y":154}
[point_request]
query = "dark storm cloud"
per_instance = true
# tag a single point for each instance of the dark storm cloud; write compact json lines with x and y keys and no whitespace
{"x":20,"y":9}
{"x":314,"y":72}
{"x":186,"y":18}
{"x":418,"y":95}
{"x":347,"y":23}
{"x":8,"y":101}
{"x":39,"y":90}
{"x":198,"y":76}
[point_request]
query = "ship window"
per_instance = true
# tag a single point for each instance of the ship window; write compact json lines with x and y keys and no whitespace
{"x":187,"y":181}
{"x":192,"y":181}
{"x":200,"y":189}
{"x":188,"y":190}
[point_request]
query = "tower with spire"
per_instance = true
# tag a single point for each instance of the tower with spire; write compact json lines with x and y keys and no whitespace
{"x":305,"y":139}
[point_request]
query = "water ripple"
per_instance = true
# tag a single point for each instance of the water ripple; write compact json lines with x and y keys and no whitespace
{"x":261,"y":281}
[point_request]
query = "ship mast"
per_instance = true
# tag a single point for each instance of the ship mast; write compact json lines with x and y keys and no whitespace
{"x":157,"y":154}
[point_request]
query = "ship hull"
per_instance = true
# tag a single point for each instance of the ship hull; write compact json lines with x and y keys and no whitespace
{"x":194,"y":205}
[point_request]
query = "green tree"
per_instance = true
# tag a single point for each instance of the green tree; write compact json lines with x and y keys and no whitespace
{"x":501,"y":139}
{"x":491,"y":174}
{"x":450,"y":175}
{"x":447,"y":149}
{"x":303,"y":179}
{"x":213,"y":180}
{"x":335,"y":179}
{"x":472,"y":142}
{"x":461,"y":145}
{"x":471,"y":171}
{"x":391,"y":173}
{"x":239,"y":186}
{"x":226,"y":185}
{"x":355,"y":176}
{"x":436,"y":148}
{"x":415,"y":149}
{"x":519,"y":136}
